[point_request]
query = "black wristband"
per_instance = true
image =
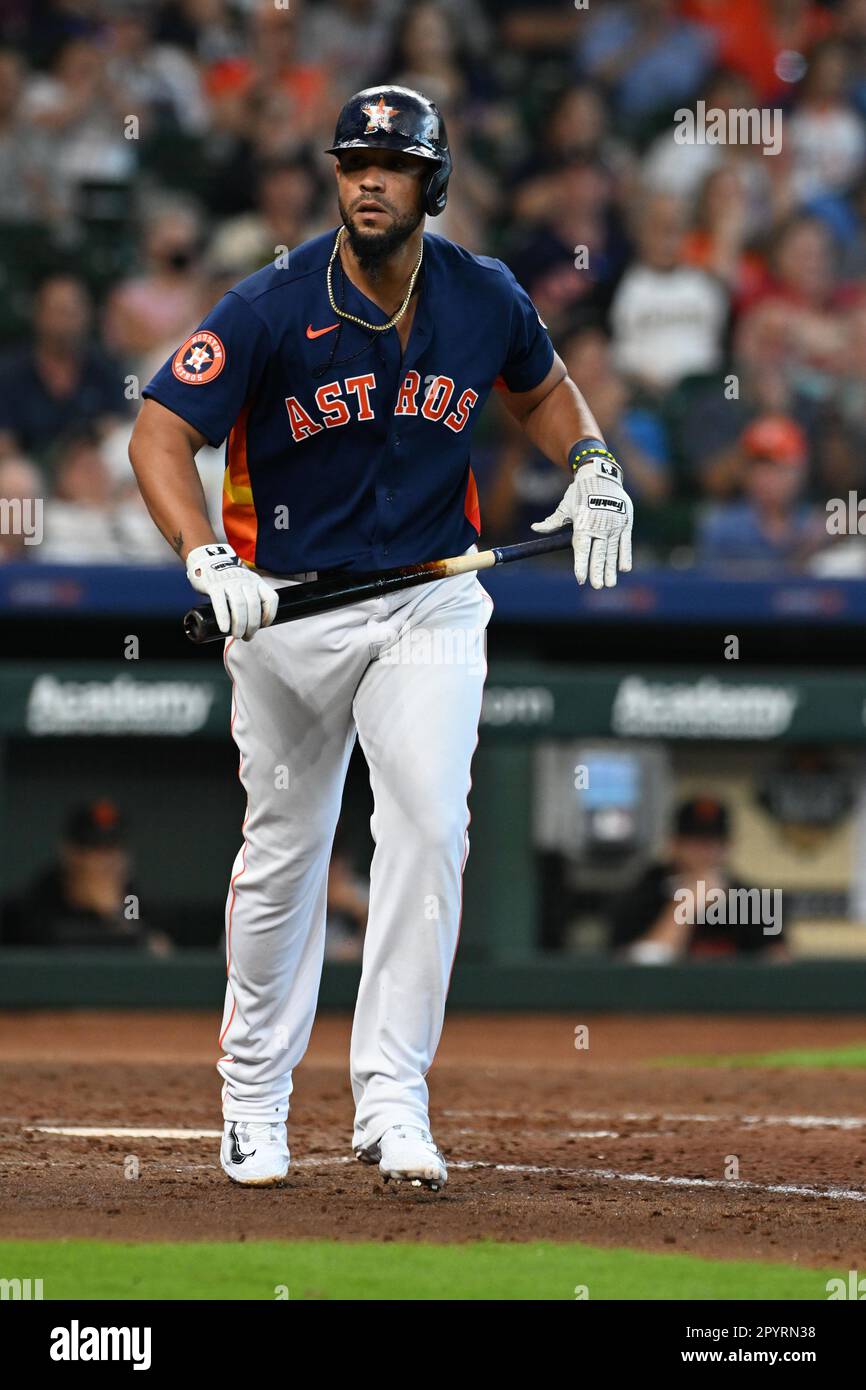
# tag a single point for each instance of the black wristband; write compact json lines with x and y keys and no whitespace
{"x":589,"y":448}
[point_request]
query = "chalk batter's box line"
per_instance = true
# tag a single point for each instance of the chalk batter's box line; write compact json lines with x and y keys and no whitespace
{"x":472,"y":1165}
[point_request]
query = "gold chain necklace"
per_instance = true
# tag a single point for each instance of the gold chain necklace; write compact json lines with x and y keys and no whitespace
{"x":372,"y":327}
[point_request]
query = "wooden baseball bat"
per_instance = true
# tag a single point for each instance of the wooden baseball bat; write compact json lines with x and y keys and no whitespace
{"x":320,"y":595}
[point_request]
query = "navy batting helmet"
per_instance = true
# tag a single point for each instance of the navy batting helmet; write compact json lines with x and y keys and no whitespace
{"x":396,"y":118}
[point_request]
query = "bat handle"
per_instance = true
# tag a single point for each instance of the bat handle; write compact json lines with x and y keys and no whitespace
{"x":201,"y":626}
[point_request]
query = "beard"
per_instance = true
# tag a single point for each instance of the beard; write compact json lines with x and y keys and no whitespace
{"x":373,"y":249}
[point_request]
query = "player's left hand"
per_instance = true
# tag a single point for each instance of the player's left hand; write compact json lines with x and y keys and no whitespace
{"x":601,"y":513}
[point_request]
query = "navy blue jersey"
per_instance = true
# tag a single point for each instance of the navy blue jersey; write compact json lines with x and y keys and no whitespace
{"x":341,"y":451}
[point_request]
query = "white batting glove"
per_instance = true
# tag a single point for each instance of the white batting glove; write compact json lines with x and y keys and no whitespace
{"x":242,"y":601}
{"x":601,"y":513}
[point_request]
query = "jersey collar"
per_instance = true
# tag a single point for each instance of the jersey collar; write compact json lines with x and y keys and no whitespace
{"x":356,"y":302}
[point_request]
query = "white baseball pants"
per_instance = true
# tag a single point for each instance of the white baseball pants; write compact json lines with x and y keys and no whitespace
{"x":404,"y":674}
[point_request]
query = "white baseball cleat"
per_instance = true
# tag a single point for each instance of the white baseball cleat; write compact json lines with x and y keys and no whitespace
{"x":255,"y":1153}
{"x":408,"y":1154}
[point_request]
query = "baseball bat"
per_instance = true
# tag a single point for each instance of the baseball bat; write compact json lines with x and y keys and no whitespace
{"x":321,"y":595}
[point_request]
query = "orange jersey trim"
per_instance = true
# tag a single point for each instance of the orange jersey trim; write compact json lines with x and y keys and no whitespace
{"x":239,"y":512}
{"x":470,"y":504}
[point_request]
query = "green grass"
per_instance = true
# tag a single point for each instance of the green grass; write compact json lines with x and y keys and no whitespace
{"x":331,"y":1270}
{"x":851,"y":1055}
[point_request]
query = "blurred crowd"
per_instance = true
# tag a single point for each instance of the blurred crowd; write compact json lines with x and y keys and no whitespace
{"x":708,"y":298}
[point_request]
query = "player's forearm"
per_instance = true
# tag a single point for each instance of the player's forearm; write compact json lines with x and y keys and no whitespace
{"x":559,"y":420}
{"x":164,"y":466}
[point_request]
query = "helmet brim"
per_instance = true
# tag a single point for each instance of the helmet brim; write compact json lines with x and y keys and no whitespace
{"x":400,"y":144}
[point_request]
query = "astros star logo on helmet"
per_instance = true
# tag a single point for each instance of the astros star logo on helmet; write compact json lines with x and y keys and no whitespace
{"x":380,"y":116}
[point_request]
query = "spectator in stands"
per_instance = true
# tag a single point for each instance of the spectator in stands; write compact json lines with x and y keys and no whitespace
{"x":706,"y":420}
{"x":804,"y":297}
{"x":839,"y":456}
{"x":826,"y":136}
{"x":760,"y":160}
{"x":570,"y":259}
{"x":576,"y":129}
{"x":83,"y":112}
{"x":207,"y":30}
{"x":86,"y":898}
{"x":160,"y":305}
{"x":26,"y":163}
{"x":796,"y":346}
{"x":717,"y":242}
{"x":21,"y":493}
{"x":850,"y":385}
{"x":670,"y":166}
{"x":468,"y":216}
{"x":804,"y":324}
{"x":651,"y":59}
{"x":287,"y":190}
{"x":89,"y":519}
{"x":533,"y":28}
{"x":228,"y":150}
{"x":668,"y":319}
{"x":288,"y":97}
{"x":352,"y":38}
{"x":764,"y":39}
{"x":62,"y":380}
{"x":771,"y":526}
{"x":659,"y":919}
{"x":839,"y":469}
{"x":343,"y":33}
{"x":429,"y":55}
{"x":162,"y":84}
{"x":710,"y":432}
{"x":852,"y":233}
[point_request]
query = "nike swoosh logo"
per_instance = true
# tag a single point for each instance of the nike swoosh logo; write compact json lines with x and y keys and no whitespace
{"x":317,"y":332}
{"x":238,"y":1154}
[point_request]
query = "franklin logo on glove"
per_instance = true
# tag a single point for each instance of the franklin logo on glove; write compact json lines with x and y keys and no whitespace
{"x":606,"y":504}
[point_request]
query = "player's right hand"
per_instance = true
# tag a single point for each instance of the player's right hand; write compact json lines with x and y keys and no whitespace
{"x":242,"y":601}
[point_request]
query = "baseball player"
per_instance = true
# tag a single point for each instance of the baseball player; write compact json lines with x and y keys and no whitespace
{"x":347,"y":378}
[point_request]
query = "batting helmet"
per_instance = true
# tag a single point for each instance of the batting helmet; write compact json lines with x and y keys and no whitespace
{"x":396,"y":118}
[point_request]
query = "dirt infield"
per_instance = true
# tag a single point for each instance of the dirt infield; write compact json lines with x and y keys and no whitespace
{"x":544,"y":1140}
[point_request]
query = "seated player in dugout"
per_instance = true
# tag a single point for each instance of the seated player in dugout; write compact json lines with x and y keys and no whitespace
{"x":86,"y":897}
{"x":347,"y":377}
{"x":691,"y":905}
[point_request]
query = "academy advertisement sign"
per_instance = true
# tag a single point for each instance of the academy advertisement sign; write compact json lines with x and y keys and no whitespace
{"x":521,"y":701}
{"x":704,"y":708}
{"x":119,"y":706}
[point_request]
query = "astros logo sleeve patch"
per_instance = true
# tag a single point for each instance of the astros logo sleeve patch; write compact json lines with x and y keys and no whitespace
{"x":201,"y":359}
